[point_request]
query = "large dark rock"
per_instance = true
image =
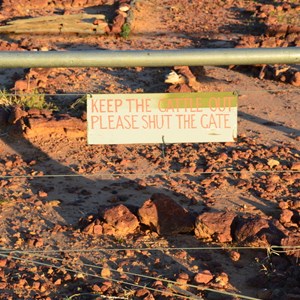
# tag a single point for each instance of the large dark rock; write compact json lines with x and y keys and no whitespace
{"x":258,"y":231}
{"x":163,"y":215}
{"x":215,"y":226}
{"x":248,"y":228}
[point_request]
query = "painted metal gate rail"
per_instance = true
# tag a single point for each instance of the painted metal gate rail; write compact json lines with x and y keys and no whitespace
{"x":149,"y":58}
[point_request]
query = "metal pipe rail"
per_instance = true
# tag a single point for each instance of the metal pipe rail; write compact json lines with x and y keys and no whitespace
{"x":149,"y":58}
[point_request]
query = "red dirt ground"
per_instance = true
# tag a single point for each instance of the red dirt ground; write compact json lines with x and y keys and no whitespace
{"x":47,"y":250}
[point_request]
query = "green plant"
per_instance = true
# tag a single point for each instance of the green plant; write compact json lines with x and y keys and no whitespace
{"x":3,"y":201}
{"x":120,"y":240}
{"x":79,"y":104}
{"x":25,"y":100}
{"x":125,"y":31}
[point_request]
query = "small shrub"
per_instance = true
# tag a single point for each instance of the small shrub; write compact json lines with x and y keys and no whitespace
{"x":125,"y":31}
{"x":3,"y":201}
{"x":79,"y":104}
{"x":25,"y":100}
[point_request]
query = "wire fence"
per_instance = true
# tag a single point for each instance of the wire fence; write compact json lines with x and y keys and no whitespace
{"x":36,"y":257}
{"x":237,"y":91}
{"x":142,"y":175}
{"x":173,"y":287}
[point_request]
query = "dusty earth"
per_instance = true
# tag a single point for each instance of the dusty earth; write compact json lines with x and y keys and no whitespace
{"x":187,"y":221}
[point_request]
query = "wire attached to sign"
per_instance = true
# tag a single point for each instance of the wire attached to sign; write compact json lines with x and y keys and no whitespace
{"x":163,"y":147}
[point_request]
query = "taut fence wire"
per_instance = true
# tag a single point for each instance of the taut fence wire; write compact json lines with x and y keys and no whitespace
{"x":144,"y":57}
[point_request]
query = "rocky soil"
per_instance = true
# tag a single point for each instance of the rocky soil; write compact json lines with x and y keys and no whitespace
{"x":175,"y":221}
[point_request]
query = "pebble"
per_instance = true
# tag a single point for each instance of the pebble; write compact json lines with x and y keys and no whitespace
{"x":105,"y":272}
{"x":296,"y":166}
{"x":285,"y":216}
{"x":3,"y":262}
{"x":234,"y":255}
{"x":222,"y":279}
{"x":203,"y":277}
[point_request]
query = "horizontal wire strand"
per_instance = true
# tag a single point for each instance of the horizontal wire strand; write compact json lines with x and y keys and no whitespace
{"x":224,"y":172}
{"x":92,"y":275}
{"x":155,"y":278}
{"x":271,"y":248}
{"x":90,"y":93}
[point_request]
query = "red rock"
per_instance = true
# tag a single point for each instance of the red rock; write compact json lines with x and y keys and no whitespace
{"x":89,"y":229}
{"x":285,"y":216}
{"x":39,"y":242}
{"x":96,"y":288}
{"x":142,"y":293}
{"x":36,"y":285}
{"x":248,"y":228}
{"x":104,"y":288}
{"x":258,"y":231}
{"x":3,"y":285}
{"x":8,"y":164}
{"x":108,"y":229}
{"x":222,"y":279}
{"x":292,"y":241}
{"x":183,"y":276}
{"x":210,"y":225}
{"x":234,"y":255}
{"x":296,"y":204}
{"x":223,"y":156}
{"x":98,"y":230}
{"x":57,"y":228}
{"x":117,"y":24}
{"x":57,"y":282}
{"x":163,"y":215}
{"x":296,"y":165}
{"x":66,"y":126}
{"x":67,"y":277}
{"x":44,"y":287}
{"x":16,"y":114}
{"x":21,"y":85}
{"x":105,"y":272}
{"x":181,"y":254}
{"x":2,"y":274}
{"x":46,"y":113}
{"x":294,"y":29}
{"x":179,"y":88}
{"x":3,"y":262}
{"x":277,"y":30}
{"x":121,"y":219}
{"x":42,"y":194}
{"x":190,"y":77}
{"x":203,"y":277}
{"x":108,"y":283}
{"x":34,"y":112}
{"x":22,"y":282}
{"x":296,"y":79}
{"x":78,"y":3}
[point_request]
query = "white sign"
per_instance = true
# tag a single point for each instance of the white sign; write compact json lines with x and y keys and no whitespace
{"x":157,"y":118}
